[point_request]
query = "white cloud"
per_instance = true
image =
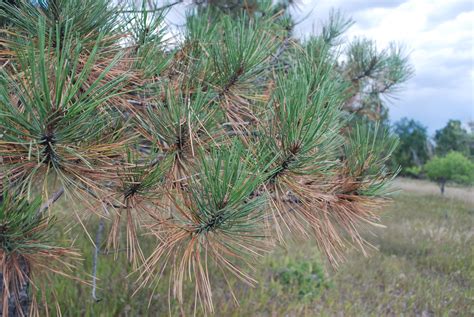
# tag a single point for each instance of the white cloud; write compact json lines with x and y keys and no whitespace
{"x":438,"y":33}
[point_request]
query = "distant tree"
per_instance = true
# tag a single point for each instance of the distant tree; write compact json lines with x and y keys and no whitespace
{"x":453,"y":167}
{"x":471,"y":126}
{"x":471,"y":138}
{"x":413,"y":147}
{"x":453,"y":137}
{"x":373,"y":76}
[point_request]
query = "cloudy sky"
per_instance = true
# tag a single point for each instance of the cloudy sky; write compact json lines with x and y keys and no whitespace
{"x":439,"y":35}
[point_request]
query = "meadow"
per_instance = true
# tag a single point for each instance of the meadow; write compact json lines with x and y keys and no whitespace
{"x":424,"y":266}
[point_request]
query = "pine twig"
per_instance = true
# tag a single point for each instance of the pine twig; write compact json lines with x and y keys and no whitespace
{"x":50,"y":201}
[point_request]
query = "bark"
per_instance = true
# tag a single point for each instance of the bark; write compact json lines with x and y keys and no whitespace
{"x":416,"y":159}
{"x":17,"y":305}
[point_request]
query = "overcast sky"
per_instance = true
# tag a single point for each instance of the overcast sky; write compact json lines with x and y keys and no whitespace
{"x":438,"y":33}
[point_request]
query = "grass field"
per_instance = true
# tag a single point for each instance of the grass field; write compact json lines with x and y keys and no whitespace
{"x":424,"y":266}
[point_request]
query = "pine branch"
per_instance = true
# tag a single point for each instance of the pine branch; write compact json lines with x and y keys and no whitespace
{"x":260,"y":114}
{"x":368,"y":71}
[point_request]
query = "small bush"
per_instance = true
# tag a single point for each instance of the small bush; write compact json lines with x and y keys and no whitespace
{"x":413,"y":171}
{"x":306,"y":277}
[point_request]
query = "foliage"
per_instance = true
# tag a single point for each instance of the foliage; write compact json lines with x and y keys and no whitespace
{"x":452,"y":167}
{"x":3,"y":21}
{"x":59,"y":128}
{"x":453,"y":137}
{"x":366,"y":158}
{"x":87,"y":18}
{"x":413,"y":148}
{"x":214,"y":147}
{"x":305,"y":278}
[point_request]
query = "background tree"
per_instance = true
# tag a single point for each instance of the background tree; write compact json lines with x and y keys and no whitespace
{"x":453,"y":167}
{"x":413,"y":144}
{"x":453,"y":137}
{"x":471,"y":138}
{"x":373,"y":77}
{"x":216,"y":147}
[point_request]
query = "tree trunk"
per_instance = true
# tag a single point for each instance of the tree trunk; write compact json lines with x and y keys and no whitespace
{"x":17,"y":306}
{"x":415,"y":157}
{"x":442,"y":183}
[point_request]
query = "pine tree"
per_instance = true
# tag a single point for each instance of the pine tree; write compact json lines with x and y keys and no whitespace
{"x":218,"y":144}
{"x":414,"y":147}
{"x":453,"y":137}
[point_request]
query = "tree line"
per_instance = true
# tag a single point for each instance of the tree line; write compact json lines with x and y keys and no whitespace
{"x":448,"y":156}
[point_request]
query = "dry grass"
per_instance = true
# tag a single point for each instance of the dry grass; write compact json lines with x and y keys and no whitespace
{"x":423,"y":187}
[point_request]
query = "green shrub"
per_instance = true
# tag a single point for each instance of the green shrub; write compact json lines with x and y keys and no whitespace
{"x":306,"y":277}
{"x":413,"y":171}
